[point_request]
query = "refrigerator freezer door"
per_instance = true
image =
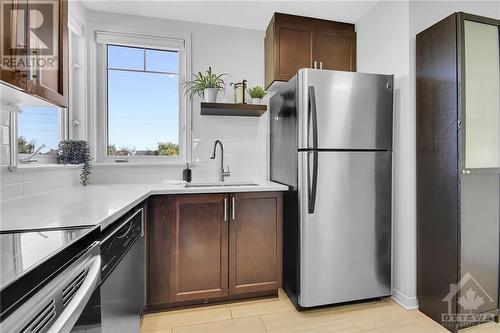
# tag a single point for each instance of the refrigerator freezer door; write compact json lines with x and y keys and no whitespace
{"x":345,"y":243}
{"x":344,"y":110}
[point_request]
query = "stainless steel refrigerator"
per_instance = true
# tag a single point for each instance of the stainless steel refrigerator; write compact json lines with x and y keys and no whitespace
{"x":331,"y":143}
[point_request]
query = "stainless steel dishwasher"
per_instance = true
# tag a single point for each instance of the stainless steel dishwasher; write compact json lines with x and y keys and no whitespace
{"x":122,"y":274}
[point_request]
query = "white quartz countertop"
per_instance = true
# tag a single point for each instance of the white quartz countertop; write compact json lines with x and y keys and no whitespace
{"x":97,"y":204}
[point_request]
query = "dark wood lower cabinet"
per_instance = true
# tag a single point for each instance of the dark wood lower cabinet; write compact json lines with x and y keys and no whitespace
{"x":198,"y":247}
{"x":255,"y":242}
{"x":157,"y":248}
{"x":205,"y":248}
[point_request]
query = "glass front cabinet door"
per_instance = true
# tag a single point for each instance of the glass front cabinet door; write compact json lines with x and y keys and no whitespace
{"x":480,"y":178}
{"x":481,"y":74}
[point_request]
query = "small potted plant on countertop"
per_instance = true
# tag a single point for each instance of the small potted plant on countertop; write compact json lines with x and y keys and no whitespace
{"x":257,"y":93}
{"x":206,"y":85}
{"x":76,"y":152}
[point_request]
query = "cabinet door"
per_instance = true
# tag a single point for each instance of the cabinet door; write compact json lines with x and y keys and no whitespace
{"x":293,"y":46}
{"x":198,"y":247}
{"x":336,"y":49}
{"x":14,"y":44}
{"x":255,"y":242}
{"x":49,"y":50}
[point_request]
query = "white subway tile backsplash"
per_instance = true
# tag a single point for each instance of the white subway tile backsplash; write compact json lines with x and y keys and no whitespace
{"x":23,"y":182}
{"x":245,"y":151}
{"x":8,"y":177}
{"x":130,"y":174}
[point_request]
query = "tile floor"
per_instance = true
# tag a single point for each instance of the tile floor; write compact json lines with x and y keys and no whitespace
{"x":279,"y":316}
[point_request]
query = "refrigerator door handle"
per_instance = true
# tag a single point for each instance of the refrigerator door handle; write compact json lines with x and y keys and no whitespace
{"x":312,"y":119}
{"x":312,"y":184}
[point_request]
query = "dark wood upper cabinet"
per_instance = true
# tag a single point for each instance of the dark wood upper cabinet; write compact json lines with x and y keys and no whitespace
{"x":198,"y":247}
{"x":38,"y":60}
{"x":336,"y":50}
{"x":255,"y":242}
{"x":287,"y":35}
{"x":293,"y":42}
{"x":14,"y":48}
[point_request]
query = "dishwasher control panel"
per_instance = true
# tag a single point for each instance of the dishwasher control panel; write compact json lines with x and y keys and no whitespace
{"x":120,"y":239}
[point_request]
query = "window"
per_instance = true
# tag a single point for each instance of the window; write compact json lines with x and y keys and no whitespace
{"x":143,"y":102}
{"x":39,"y":130}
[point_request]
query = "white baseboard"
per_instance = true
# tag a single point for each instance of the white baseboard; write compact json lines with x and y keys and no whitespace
{"x":409,"y":303}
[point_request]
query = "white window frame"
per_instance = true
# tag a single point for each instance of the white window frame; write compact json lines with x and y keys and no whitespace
{"x":157,"y":41}
{"x":77,"y":116}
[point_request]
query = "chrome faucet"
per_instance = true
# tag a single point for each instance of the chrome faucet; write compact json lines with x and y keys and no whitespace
{"x":222,"y":172}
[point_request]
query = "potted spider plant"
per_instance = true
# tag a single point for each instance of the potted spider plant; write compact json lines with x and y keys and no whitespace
{"x":257,"y":93}
{"x":206,"y":85}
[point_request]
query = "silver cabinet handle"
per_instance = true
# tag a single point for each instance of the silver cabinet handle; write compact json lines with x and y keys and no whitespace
{"x":225,"y":209}
{"x":75,"y":307}
{"x":233,"y":208}
{"x":321,"y":65}
{"x":466,"y":172}
{"x":315,"y":66}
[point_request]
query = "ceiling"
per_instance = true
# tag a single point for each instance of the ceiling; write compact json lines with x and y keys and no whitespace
{"x":242,"y":14}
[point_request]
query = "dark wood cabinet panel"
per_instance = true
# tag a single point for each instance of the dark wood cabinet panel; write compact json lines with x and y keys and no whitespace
{"x":198,"y":247}
{"x":51,"y":83}
{"x":157,"y":247}
{"x":455,"y":206}
{"x":42,"y":62}
{"x":336,"y":50}
{"x":437,"y":158}
{"x":296,"y":41}
{"x":14,"y":46}
{"x":293,"y":42}
{"x":255,"y":242}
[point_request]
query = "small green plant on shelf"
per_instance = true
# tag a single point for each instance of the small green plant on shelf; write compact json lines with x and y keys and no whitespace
{"x":205,"y":85}
{"x":76,"y":152}
{"x":257,"y":92}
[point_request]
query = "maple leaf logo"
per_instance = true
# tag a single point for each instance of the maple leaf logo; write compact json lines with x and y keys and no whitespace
{"x":470,"y":301}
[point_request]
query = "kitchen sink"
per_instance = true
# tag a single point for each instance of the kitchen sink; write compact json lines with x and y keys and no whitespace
{"x":218,"y":184}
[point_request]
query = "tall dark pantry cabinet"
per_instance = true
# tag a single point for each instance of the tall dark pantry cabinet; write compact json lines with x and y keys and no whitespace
{"x":458,"y":170}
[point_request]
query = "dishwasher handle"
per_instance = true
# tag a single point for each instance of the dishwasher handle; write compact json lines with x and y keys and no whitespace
{"x":75,"y":307}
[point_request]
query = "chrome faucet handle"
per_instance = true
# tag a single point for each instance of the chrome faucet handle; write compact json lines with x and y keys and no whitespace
{"x":226,"y":173}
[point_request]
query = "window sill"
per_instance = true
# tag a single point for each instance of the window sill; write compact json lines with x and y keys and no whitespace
{"x":140,"y":163}
{"x":42,"y":166}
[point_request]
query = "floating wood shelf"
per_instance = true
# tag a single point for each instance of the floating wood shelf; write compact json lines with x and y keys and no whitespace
{"x":231,"y":109}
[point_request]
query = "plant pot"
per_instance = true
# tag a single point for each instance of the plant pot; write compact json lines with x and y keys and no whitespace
{"x":256,"y":100}
{"x":210,"y":95}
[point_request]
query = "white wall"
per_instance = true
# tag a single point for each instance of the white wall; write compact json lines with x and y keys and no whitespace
{"x":238,"y":52}
{"x":383,"y":47}
{"x":386,"y":44}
